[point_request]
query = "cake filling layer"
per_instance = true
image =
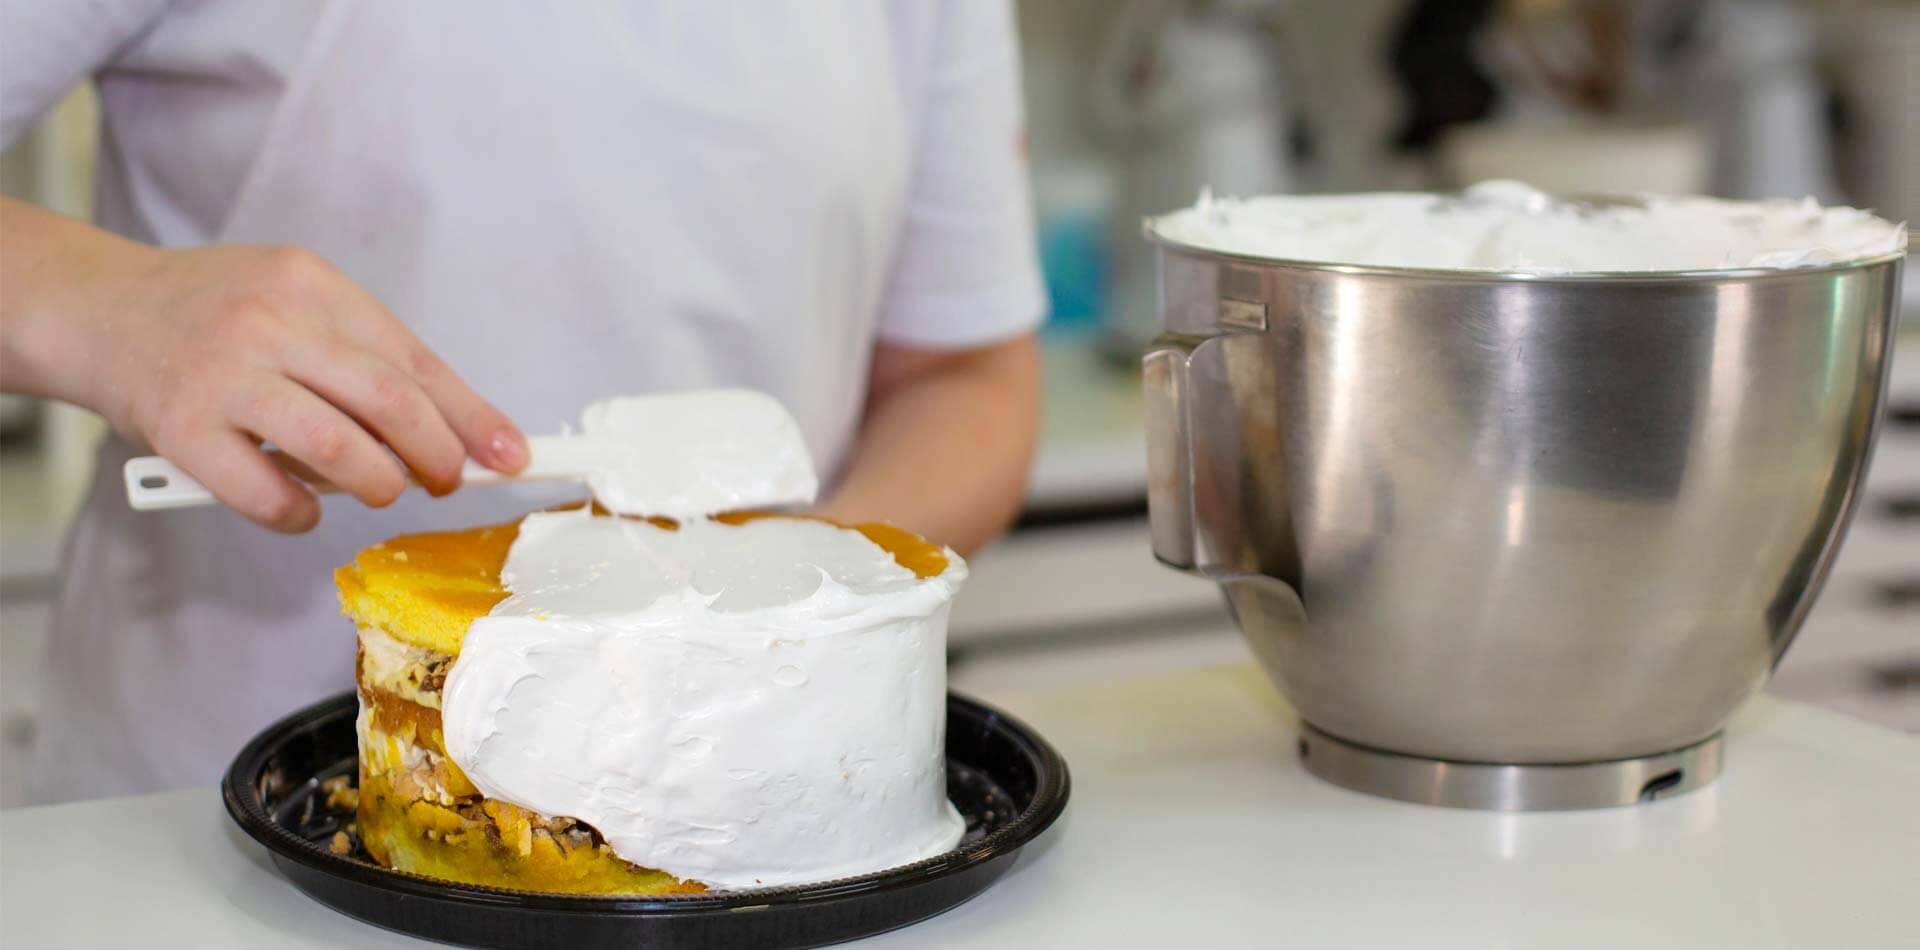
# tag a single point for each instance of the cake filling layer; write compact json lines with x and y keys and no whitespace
{"x":411,"y":672}
{"x":417,"y":813}
{"x":741,"y":704}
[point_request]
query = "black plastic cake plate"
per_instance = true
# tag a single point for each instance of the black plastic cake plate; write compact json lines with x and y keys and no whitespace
{"x":1006,"y":781}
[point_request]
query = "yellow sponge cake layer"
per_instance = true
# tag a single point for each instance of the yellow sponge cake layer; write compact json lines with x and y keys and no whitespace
{"x":427,"y":589}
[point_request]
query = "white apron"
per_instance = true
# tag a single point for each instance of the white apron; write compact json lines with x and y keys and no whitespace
{"x":565,"y":201}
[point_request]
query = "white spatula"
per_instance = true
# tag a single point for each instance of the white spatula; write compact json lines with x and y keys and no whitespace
{"x":679,"y":455}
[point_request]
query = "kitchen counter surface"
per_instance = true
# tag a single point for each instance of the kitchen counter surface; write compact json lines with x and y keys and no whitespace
{"x":1191,"y":824}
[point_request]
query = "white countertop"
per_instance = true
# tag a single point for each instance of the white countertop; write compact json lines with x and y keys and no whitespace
{"x":1192,"y":825}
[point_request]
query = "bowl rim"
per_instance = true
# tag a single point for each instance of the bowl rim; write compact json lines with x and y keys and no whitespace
{"x":1463,"y":275}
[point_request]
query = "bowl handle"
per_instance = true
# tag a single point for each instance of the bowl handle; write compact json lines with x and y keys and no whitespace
{"x":1170,"y":407}
{"x":1170,"y":451}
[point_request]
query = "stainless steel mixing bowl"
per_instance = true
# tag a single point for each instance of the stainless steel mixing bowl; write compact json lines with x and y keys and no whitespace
{"x":1512,"y":541}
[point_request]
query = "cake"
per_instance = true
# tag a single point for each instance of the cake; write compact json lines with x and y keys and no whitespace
{"x":590,"y":704}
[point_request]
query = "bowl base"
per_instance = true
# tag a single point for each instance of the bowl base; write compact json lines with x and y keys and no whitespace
{"x":1500,"y":787}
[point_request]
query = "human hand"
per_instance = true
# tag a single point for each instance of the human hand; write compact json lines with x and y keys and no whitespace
{"x":204,"y":353}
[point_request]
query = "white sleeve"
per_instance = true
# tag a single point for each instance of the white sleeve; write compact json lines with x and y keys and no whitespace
{"x":47,"y":47}
{"x":966,"y":271}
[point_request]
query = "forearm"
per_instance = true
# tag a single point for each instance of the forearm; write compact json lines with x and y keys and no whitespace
{"x":58,"y":277}
{"x":945,"y":443}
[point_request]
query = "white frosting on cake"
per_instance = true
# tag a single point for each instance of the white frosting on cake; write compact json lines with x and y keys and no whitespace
{"x":753,"y":705}
{"x":682,"y":455}
{"x":1509,"y":227}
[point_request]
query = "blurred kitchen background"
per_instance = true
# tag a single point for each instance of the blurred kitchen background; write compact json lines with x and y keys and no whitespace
{"x":1133,"y":107}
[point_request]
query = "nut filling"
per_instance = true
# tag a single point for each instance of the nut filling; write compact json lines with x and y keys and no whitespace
{"x":418,"y":812}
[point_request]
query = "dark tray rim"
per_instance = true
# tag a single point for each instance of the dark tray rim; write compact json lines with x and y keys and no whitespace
{"x":1052,"y":788}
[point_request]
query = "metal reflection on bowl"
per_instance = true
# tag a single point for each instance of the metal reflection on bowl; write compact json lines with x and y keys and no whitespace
{"x":1513,"y":541}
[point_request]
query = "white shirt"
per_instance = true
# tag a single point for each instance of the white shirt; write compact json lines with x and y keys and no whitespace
{"x":566,"y":202}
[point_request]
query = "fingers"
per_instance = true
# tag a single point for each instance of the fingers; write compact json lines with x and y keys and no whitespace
{"x":322,"y":437}
{"x":488,"y":436}
{"x":232,"y":467}
{"x":389,"y":403}
{"x":248,"y":344}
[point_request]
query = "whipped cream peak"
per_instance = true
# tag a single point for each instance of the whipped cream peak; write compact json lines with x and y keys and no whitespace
{"x":748,"y":705}
{"x":1510,"y":227}
{"x":698,"y":453}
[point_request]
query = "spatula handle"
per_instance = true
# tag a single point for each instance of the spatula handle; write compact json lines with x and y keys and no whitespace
{"x":155,"y":484}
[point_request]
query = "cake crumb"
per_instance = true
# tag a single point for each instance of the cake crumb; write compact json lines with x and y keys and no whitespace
{"x":341,"y":844}
{"x":341,"y":795}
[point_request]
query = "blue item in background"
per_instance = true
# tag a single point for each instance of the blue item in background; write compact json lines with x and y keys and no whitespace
{"x":1074,"y":197}
{"x":1075,"y":259}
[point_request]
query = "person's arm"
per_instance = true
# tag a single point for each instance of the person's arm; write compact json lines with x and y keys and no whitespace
{"x":203,"y":353}
{"x":945,"y":442}
{"x":952,"y":411}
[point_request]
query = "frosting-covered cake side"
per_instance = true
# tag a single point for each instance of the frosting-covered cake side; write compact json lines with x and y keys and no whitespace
{"x":752,"y":704}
